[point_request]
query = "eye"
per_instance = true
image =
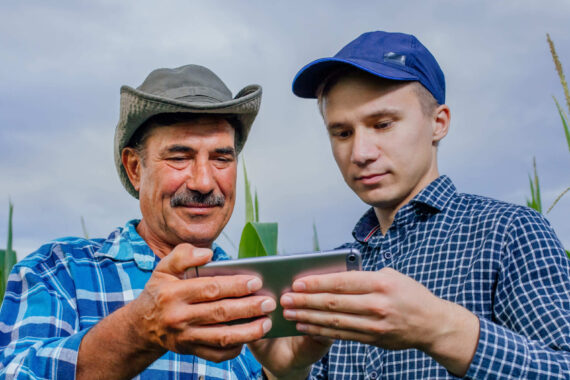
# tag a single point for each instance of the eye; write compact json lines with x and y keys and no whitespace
{"x":383,"y":124}
{"x":341,"y":133}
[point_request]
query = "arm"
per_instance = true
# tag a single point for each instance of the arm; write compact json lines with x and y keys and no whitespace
{"x":182,"y":316}
{"x":529,"y":336}
{"x":38,"y":324}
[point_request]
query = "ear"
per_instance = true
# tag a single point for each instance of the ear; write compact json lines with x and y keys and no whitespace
{"x":132,"y":163}
{"x":441,"y":120}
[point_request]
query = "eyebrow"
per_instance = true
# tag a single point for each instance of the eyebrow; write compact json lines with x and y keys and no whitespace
{"x":387,"y":112}
{"x":228,"y":150}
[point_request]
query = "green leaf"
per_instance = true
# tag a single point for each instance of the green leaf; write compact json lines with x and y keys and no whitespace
{"x":84,"y":228}
{"x":249,"y":218}
{"x":535,"y":201}
{"x":256,"y":212}
{"x":316,"y":246}
{"x":9,"y":256}
{"x":258,"y":239}
{"x":568,"y":253}
{"x":564,"y":121}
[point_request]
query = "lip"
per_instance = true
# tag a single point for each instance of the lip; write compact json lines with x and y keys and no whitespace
{"x":371,"y":179}
{"x":198,"y":209}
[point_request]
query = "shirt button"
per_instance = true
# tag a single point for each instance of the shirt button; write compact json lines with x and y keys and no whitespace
{"x":387,"y":255}
{"x":373,"y":375}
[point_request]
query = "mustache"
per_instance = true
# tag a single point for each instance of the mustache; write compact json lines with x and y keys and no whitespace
{"x":191,"y":198}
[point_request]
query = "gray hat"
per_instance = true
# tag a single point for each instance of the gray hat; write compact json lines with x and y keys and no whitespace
{"x":191,"y":89}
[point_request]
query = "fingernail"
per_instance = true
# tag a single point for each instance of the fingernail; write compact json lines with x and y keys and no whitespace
{"x":299,"y":286}
{"x":266,"y":326}
{"x":301,"y":327}
{"x":289,"y":314}
{"x":268,"y":305}
{"x":286,"y":301}
{"x":254,"y":284}
{"x":201,"y":252}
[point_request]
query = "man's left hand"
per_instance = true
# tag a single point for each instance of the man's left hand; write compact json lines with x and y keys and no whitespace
{"x":385,"y":309}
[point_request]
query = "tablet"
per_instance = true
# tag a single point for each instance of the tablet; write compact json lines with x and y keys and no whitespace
{"x":278,"y":274}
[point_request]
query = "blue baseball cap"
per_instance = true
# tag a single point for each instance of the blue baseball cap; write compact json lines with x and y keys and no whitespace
{"x":394,"y":56}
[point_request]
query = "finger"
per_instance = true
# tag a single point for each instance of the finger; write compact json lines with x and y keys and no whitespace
{"x":227,"y":336}
{"x":223,"y":311}
{"x":203,"y":289}
{"x":339,"y":321}
{"x":343,"y":303}
{"x":335,"y":333}
{"x":183,"y":257}
{"x":353,"y":282}
{"x":214,"y":354}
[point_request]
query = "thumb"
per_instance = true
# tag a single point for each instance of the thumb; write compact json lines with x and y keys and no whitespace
{"x":182,"y":257}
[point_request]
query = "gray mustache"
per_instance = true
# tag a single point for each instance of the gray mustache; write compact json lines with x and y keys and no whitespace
{"x":191,"y":198}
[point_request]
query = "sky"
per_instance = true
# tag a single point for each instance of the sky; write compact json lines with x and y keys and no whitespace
{"x":62,"y":64}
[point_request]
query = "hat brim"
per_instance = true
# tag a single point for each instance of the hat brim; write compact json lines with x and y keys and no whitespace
{"x":138,"y":106}
{"x":310,"y":77}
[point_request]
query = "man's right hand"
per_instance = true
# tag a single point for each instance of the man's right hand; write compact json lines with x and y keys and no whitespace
{"x":187,"y":315}
{"x":175,"y":314}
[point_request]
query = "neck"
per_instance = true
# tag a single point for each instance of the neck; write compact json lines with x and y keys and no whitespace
{"x":160,"y":246}
{"x":387,"y":214}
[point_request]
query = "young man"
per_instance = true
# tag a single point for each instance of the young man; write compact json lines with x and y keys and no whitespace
{"x":455,"y":284}
{"x":120,"y":307}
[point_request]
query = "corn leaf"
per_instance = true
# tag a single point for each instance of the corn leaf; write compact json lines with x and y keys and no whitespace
{"x":249,"y":217}
{"x":316,"y":246}
{"x":258,"y":239}
{"x":535,"y":202}
{"x":256,"y":210}
{"x":8,"y":256}
{"x":564,"y":121}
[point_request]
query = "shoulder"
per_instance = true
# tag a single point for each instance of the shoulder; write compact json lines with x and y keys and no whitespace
{"x":58,"y":254}
{"x":487,"y":209}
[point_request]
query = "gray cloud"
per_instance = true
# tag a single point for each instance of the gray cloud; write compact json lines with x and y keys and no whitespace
{"x":63,"y":64}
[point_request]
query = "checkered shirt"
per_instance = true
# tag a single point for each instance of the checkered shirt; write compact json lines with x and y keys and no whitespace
{"x":502,"y":262}
{"x":58,"y":292}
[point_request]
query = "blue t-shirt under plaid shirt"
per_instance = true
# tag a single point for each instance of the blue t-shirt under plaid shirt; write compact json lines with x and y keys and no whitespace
{"x":57,"y":293}
{"x":502,"y":262}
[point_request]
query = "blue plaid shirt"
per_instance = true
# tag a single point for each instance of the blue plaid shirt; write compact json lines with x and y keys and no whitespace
{"x":57,"y":293}
{"x":503,"y":262}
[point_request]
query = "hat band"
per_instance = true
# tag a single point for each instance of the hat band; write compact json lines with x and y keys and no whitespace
{"x":201,"y":94}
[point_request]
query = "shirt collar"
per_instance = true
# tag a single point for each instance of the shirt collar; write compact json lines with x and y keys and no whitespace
{"x":125,"y":244}
{"x":431,"y":199}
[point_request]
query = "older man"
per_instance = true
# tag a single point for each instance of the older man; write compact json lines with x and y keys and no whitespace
{"x":119,"y":307}
{"x":455,"y":285}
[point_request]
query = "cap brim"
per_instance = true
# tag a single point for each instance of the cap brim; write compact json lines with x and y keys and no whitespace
{"x":309,"y":78}
{"x":138,"y":106}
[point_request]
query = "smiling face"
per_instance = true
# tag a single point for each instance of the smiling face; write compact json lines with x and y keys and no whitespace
{"x":384,"y":143}
{"x":186,"y":178}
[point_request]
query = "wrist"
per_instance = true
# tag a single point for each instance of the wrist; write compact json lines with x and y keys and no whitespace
{"x":454,"y":337}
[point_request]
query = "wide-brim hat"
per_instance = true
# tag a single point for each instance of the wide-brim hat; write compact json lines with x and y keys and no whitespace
{"x":187,"y":89}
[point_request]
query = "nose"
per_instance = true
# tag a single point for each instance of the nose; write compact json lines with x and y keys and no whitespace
{"x":201,"y":178}
{"x":364,"y":149}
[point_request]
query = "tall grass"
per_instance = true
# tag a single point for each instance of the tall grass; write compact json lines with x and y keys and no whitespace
{"x":535,"y":201}
{"x":8,"y":256}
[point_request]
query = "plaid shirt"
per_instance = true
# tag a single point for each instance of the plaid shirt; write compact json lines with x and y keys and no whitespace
{"x":502,"y":262}
{"x":57,"y":293}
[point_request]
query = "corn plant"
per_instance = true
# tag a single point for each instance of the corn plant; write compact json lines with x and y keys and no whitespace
{"x":257,"y":239}
{"x":7,"y":256}
{"x":535,"y":200}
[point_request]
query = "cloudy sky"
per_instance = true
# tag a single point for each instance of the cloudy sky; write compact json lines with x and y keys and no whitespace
{"x":62,"y":63}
